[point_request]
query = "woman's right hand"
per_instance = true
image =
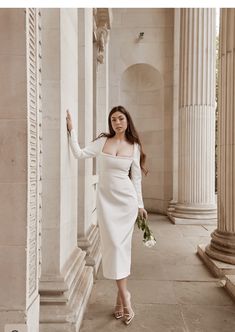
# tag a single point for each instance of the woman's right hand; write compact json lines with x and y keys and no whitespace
{"x":69,"y":121}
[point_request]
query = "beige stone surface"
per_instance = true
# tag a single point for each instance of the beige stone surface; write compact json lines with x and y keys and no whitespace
{"x":171,"y":288}
{"x":65,"y":279}
{"x":222,"y":245}
{"x":13,"y":220}
{"x":12,"y":37}
{"x":210,"y":318}
{"x":196,"y":147}
{"x":218,"y":268}
{"x":12,"y":92}
{"x":230,"y":285}
{"x":19,"y":301}
{"x":141,"y":79}
{"x":14,"y":165}
{"x":12,"y":277}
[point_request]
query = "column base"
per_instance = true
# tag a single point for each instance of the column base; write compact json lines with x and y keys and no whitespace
{"x":230,"y":285}
{"x":91,"y":245}
{"x":171,"y":206}
{"x":64,"y":298}
{"x":222,"y":246}
{"x":219,"y":269}
{"x":193,"y":215}
{"x":22,"y":320}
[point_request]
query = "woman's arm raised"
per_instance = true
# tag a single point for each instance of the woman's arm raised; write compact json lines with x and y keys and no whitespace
{"x":90,"y":151}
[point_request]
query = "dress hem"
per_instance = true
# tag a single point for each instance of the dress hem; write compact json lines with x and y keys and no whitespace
{"x":118,"y":277}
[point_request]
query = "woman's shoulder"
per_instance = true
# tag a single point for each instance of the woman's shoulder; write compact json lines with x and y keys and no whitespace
{"x":100,"y":140}
{"x":137,"y":146}
{"x":136,"y":150}
{"x":102,"y":136}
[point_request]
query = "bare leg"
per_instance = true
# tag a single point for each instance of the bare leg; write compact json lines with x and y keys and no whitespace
{"x":122,"y":291}
{"x":119,"y":310}
{"x":124,"y":298}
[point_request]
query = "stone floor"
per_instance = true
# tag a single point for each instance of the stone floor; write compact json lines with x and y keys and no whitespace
{"x":171,"y":288}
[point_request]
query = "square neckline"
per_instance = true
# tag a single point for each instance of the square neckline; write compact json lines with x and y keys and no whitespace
{"x":117,"y":156}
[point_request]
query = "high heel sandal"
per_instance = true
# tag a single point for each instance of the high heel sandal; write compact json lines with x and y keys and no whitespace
{"x":118,"y":313}
{"x":130,"y":315}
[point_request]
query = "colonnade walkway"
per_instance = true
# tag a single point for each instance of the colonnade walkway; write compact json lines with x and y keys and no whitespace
{"x":172,"y":290}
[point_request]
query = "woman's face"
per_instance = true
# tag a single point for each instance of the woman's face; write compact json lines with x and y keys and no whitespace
{"x":119,"y":122}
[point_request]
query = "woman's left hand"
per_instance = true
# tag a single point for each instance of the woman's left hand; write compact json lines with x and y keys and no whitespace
{"x":69,"y":121}
{"x":143,"y":213}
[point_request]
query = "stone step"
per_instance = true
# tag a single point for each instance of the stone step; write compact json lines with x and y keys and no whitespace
{"x":218,"y":268}
{"x":230,"y":285}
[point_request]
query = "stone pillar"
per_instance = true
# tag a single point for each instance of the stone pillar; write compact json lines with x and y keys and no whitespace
{"x":175,"y":110}
{"x":102,"y":95}
{"x":88,"y":232}
{"x":66,"y":282}
{"x":222,"y":246}
{"x":90,"y":117}
{"x":20,"y":164}
{"x":196,"y":187}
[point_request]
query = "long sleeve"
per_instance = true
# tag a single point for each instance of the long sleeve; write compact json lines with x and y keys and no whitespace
{"x":136,"y":176}
{"x":90,"y":151}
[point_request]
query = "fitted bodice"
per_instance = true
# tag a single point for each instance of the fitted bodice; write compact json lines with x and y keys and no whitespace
{"x":111,"y":168}
{"x":117,"y":166}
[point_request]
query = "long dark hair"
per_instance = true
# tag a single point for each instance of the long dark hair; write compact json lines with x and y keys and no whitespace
{"x":131,"y":133}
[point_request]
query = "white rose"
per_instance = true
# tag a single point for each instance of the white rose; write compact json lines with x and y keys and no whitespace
{"x":150,"y":243}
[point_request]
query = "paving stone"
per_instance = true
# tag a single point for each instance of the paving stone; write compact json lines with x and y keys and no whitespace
{"x":149,"y":318}
{"x":188,"y":230}
{"x":172,"y":290}
{"x":187,"y":273}
{"x":205,"y":293}
{"x":195,"y":240}
{"x":201,"y":318}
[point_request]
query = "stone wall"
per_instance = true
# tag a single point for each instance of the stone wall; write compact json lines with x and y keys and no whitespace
{"x":66,"y":281}
{"x":141,"y":79}
{"x":20,"y":164}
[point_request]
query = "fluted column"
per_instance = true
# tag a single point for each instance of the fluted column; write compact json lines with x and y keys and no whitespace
{"x":222,"y":246}
{"x":175,"y":110}
{"x":196,"y":186}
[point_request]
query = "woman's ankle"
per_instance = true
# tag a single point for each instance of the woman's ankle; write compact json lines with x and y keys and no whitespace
{"x":126,"y":300}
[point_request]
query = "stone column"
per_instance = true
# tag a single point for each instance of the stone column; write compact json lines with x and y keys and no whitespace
{"x":90,"y":117}
{"x":20,"y":165}
{"x":66,"y":282}
{"x":196,"y":187}
{"x":222,"y":246}
{"x":175,"y":110}
{"x":88,"y":232}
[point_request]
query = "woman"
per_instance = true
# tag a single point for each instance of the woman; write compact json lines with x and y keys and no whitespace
{"x":119,"y":197}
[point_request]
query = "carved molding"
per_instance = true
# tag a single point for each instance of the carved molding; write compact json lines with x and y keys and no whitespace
{"x":102,"y":37}
{"x":102,"y":18}
{"x":33,"y":42}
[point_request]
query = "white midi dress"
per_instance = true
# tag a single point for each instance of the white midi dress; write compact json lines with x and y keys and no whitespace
{"x":118,"y":200}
